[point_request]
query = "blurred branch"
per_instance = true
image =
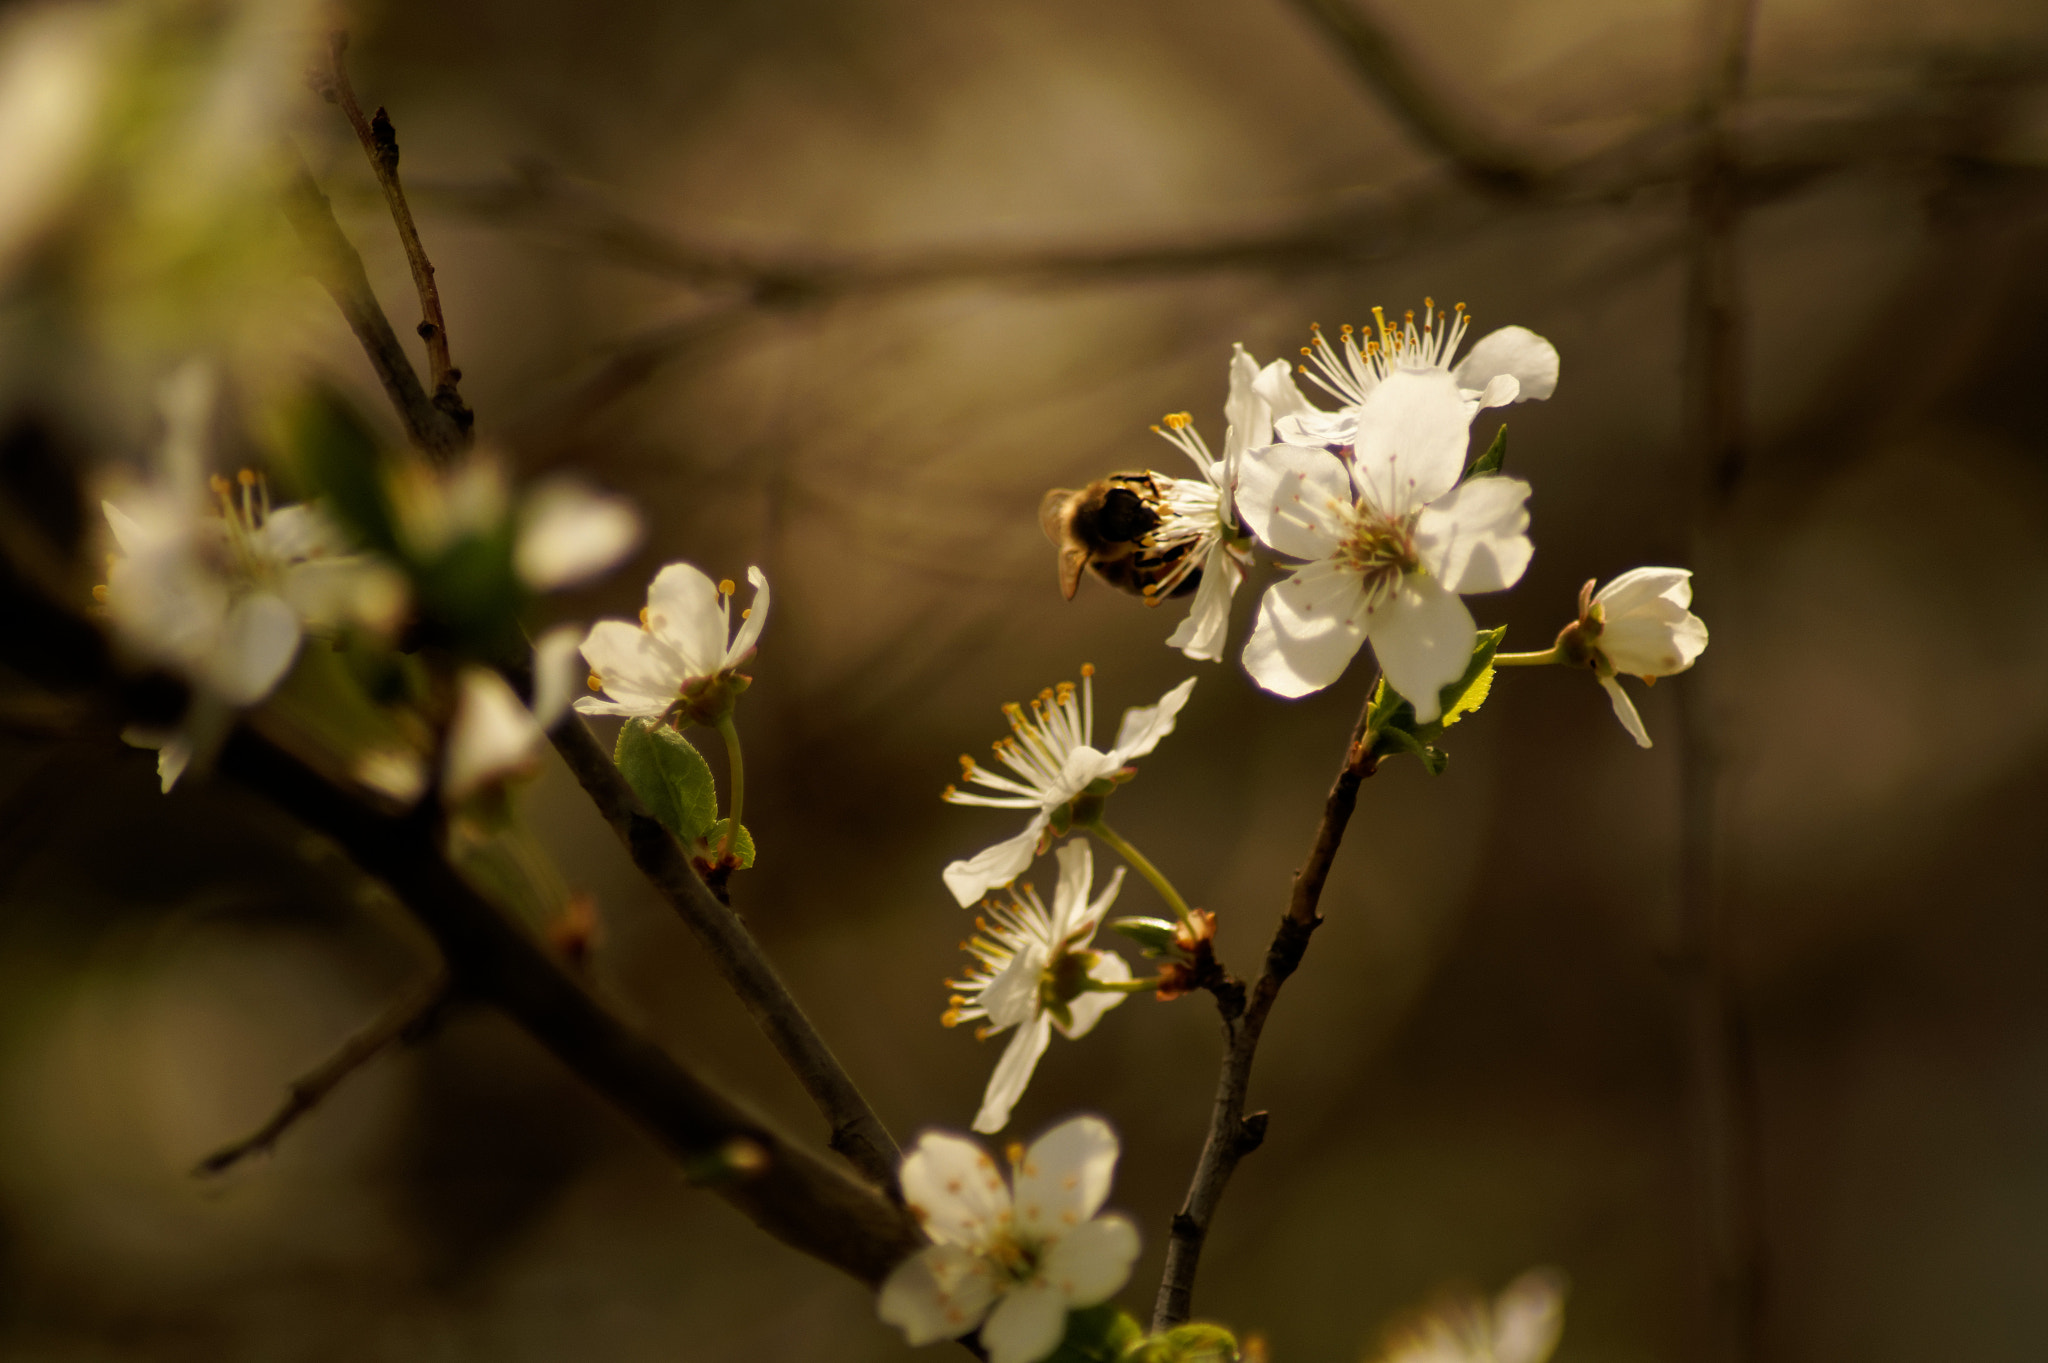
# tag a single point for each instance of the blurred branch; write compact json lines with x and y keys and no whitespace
{"x":380,"y":145}
{"x":338,"y":267}
{"x":809,"y":1203}
{"x":1722,"y":1084}
{"x":403,"y":1020}
{"x":856,"y":1132}
{"x":1233,"y":1135}
{"x":1360,"y":34}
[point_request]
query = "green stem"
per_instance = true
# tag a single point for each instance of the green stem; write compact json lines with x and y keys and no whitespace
{"x":1546,"y":657}
{"x":738,"y":767}
{"x":1144,"y":868}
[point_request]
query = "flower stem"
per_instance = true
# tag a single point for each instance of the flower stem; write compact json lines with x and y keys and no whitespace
{"x":1547,"y":656}
{"x":1143,"y":867}
{"x":738,"y":766}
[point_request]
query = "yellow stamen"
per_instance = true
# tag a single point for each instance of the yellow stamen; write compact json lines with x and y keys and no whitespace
{"x":747,"y":614}
{"x":594,"y":683}
{"x":99,"y":594}
{"x":725,"y":587}
{"x":246,"y":477}
{"x":218,"y":484}
{"x":1087,"y":669}
{"x":643,"y":617}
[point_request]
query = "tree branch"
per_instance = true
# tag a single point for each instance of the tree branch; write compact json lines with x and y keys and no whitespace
{"x":856,"y":1132}
{"x":1233,"y":1135}
{"x":805,"y":1201}
{"x":380,"y":145}
{"x":403,"y":1020}
{"x":339,"y":269}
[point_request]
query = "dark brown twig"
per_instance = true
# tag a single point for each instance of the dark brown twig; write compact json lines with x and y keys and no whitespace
{"x":403,"y":1020}
{"x":1232,"y":1134}
{"x":1722,"y":1097}
{"x":338,"y":267}
{"x":856,"y":1132}
{"x":380,"y":145}
{"x":811,"y":1203}
{"x":1430,"y":114}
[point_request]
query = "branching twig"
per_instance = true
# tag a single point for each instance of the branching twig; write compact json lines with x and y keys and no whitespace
{"x":1430,"y":114}
{"x":856,"y":1132}
{"x":404,"y":1019}
{"x":339,"y":269}
{"x":380,"y":145}
{"x":1232,"y":1134}
{"x":808,"y":1202}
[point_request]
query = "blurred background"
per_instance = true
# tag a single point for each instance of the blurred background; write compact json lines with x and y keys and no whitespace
{"x":840,"y":289}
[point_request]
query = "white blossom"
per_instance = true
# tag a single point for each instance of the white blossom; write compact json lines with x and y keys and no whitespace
{"x":684,"y":638}
{"x":1522,"y":1325}
{"x":1200,"y":515}
{"x":1012,"y":1258}
{"x":1391,"y":540}
{"x":1639,"y":625}
{"x":1049,"y":750}
{"x":1512,"y":364}
{"x":570,"y":533}
{"x":212,"y":582}
{"x":493,"y":736}
{"x":1031,"y":971}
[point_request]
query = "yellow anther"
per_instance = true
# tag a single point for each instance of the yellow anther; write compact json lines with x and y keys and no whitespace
{"x":1409,"y":315}
{"x":1015,"y":1151}
{"x":1459,"y":307}
{"x":1157,"y":431}
{"x":1306,"y":351}
{"x":99,"y":593}
{"x":246,"y":477}
{"x":1347,"y":328}
{"x":594,"y":682}
{"x":218,"y":484}
{"x":1087,"y":669}
{"x":643,"y":617}
{"x":1150,"y":588}
{"x":1429,"y":302}
{"x":747,"y":614}
{"x":726,"y":587}
{"x":1179,"y":420}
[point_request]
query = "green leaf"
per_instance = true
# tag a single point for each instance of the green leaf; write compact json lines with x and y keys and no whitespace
{"x":1100,"y":1334}
{"x":1469,"y":692}
{"x":670,"y":776}
{"x":1153,"y":934}
{"x":1194,"y":1342}
{"x":742,"y":846}
{"x":1393,"y":718}
{"x":1496,"y":455}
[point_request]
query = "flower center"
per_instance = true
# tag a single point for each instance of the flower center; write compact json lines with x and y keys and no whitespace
{"x":1379,"y":548}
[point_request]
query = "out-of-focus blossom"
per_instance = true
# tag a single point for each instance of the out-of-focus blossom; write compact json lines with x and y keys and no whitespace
{"x":1637,"y":625}
{"x":684,"y":642}
{"x":213,"y":583}
{"x":1011,"y":1258}
{"x":1049,"y":751}
{"x":53,"y":67}
{"x":569,"y":533}
{"x":1392,"y":541}
{"x":493,"y":737}
{"x":1033,"y":970}
{"x":1512,"y":364}
{"x":1201,"y":522}
{"x":1522,"y":1325}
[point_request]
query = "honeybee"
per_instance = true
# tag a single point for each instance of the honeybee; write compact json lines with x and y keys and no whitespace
{"x":1109,"y":528}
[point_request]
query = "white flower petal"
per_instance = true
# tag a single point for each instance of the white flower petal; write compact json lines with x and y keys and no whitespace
{"x":1249,"y":416}
{"x":492,"y":736}
{"x":636,"y":669}
{"x":1500,"y":390}
{"x":1200,"y":636}
{"x":1422,"y":636}
{"x":1091,"y":917}
{"x":1474,"y":539}
{"x":1314,"y":427}
{"x":1625,"y":711}
{"x":1070,"y":896}
{"x":1309,"y":628}
{"x":1091,"y":1263}
{"x":1066,"y":1175}
{"x":554,"y":674}
{"x":131,"y":536}
{"x":1516,"y":351}
{"x":683,"y":611}
{"x":258,"y":641}
{"x":1275,"y":384}
{"x":1012,"y":1073}
{"x":1145,"y":725}
{"x":749,"y":633}
{"x":593,"y":705}
{"x":969,"y":880}
{"x":1657,"y":640}
{"x":1528,"y":1317}
{"x":955,"y":1189}
{"x":1084,"y":1012}
{"x":1413,"y":430}
{"x":1012,"y":996}
{"x":1295,"y":500}
{"x":1027,"y":1324}
{"x":941,"y":1292}
{"x":1638,"y":587}
{"x":569,"y":533}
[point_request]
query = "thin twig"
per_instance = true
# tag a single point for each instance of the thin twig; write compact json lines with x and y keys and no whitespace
{"x":380,"y":145}
{"x":403,"y":1020}
{"x":811,"y":1203}
{"x":856,"y":1132}
{"x":1232,"y":1134}
{"x":338,"y":267}
{"x":1432,"y":115}
{"x":1721,"y":1078}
